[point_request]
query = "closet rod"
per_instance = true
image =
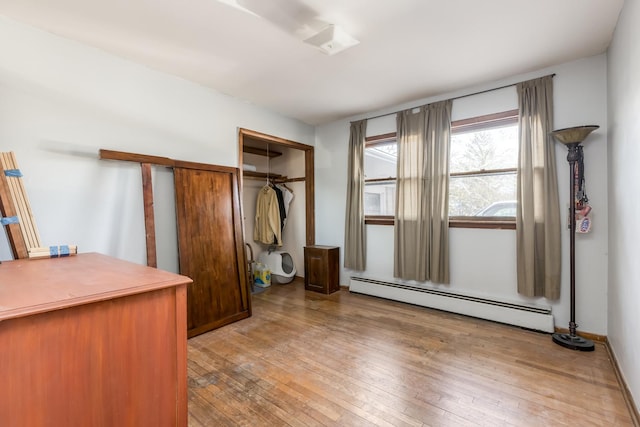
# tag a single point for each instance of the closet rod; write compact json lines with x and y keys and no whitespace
{"x":273,"y":178}
{"x":455,"y":97}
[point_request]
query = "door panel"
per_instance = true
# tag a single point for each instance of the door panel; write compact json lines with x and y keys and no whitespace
{"x":211,"y":249}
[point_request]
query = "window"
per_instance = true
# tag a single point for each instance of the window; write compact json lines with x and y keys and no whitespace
{"x":380,"y":160}
{"x":482,"y":166}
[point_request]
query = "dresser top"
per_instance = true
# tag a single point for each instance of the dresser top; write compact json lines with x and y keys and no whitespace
{"x":30,"y":286}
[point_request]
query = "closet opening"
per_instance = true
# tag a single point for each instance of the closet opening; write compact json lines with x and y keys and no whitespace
{"x":270,"y":160}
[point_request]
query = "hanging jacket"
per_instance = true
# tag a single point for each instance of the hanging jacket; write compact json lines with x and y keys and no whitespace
{"x":283,"y":214}
{"x":267,"y":223}
{"x":287,"y":196}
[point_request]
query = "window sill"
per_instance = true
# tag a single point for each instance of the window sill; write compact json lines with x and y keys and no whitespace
{"x":497,"y":223}
{"x":379,"y":220}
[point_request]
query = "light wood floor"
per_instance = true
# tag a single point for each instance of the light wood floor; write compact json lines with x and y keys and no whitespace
{"x":306,"y":359}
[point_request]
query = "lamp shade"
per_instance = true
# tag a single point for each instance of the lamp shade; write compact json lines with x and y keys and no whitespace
{"x":573,"y":135}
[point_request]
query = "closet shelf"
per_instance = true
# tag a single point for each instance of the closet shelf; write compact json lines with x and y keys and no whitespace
{"x":260,"y":151}
{"x":276,"y":178}
{"x":262,"y":175}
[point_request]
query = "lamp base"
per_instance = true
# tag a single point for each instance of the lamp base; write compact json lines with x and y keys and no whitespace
{"x":574,"y":342}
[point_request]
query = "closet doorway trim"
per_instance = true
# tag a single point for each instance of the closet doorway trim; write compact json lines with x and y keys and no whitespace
{"x":246,"y":135}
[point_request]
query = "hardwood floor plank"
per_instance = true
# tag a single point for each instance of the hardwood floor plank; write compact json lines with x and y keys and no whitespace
{"x":272,"y":381}
{"x":243,"y":395}
{"x":308,"y":359}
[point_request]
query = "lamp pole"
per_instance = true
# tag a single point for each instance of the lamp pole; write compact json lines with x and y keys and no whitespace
{"x":572,"y":157}
{"x":572,"y":137}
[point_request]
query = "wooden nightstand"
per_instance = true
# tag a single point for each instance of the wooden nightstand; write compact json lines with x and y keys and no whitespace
{"x":321,"y":268}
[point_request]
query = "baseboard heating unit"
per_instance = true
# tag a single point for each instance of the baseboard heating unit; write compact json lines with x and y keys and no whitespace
{"x":523,"y":315}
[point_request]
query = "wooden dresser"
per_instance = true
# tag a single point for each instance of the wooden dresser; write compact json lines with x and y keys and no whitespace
{"x":322,"y":268}
{"x":90,"y":340}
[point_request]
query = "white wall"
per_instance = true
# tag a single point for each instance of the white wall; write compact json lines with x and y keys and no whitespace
{"x":624,"y":176}
{"x":60,"y":102}
{"x":483,"y":261}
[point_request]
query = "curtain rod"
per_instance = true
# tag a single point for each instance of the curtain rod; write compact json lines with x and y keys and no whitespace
{"x":455,"y":97}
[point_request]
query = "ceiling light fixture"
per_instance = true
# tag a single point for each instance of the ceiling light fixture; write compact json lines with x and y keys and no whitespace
{"x":331,"y":40}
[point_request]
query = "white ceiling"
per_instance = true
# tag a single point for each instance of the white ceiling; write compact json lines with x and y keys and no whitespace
{"x":409,"y":49}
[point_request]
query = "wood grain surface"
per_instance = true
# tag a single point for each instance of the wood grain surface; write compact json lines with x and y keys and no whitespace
{"x":91,"y":341}
{"x":211,"y":248}
{"x":308,"y":359}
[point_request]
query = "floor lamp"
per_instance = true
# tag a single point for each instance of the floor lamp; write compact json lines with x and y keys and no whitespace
{"x":572,"y":137}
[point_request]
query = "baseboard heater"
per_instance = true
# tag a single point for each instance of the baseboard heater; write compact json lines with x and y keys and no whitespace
{"x":526,"y":316}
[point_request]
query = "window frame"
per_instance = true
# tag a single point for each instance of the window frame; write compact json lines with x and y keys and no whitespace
{"x":474,"y":123}
{"x":371,"y":142}
{"x":477,"y":123}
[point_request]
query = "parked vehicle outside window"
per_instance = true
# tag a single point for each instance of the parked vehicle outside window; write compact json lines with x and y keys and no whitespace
{"x":502,"y":209}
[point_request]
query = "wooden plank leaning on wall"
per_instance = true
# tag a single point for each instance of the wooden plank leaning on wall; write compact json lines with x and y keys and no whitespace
{"x":220,"y":291}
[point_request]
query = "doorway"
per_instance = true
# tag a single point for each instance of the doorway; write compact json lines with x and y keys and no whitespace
{"x":266,"y":159}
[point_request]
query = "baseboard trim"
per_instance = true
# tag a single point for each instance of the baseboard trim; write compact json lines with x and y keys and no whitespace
{"x":628,"y":399}
{"x":587,"y":335}
{"x":529,"y":316}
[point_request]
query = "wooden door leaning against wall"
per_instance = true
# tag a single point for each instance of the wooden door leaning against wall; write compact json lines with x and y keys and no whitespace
{"x":209,"y":225}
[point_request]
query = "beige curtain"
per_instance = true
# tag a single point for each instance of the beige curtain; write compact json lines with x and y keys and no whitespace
{"x":354,"y":231}
{"x":538,"y":213}
{"x":421,"y":232}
